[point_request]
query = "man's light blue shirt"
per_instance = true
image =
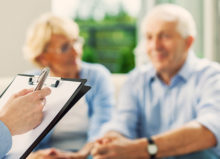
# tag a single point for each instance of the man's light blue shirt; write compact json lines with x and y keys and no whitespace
{"x":5,"y":139}
{"x":148,"y":107}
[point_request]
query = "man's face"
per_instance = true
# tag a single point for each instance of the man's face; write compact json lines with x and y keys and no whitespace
{"x":166,"y":48}
{"x":61,"y":56}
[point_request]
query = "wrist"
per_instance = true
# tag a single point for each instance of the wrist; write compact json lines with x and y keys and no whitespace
{"x":85,"y":151}
{"x":4,"y":121}
{"x":152,"y":148}
{"x":140,"y":145}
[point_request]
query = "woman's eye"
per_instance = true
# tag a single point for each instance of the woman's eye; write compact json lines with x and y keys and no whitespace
{"x":65,"y":48}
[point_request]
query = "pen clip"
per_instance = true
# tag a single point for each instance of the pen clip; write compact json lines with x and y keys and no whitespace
{"x":41,"y":79}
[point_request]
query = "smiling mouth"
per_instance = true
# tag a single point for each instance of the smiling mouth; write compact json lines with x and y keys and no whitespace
{"x":159,"y":56}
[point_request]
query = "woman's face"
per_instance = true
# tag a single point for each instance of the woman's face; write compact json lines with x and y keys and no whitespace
{"x":61,"y":57}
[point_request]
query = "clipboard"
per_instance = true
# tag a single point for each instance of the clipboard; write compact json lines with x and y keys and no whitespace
{"x":65,"y":93}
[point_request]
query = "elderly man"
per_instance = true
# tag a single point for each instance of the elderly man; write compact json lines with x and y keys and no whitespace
{"x":172,"y":105}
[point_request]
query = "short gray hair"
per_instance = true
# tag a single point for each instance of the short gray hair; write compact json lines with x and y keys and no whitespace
{"x":41,"y":30}
{"x":170,"y":12}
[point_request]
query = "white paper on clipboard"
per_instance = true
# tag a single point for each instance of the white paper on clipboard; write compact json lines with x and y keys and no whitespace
{"x":58,"y":100}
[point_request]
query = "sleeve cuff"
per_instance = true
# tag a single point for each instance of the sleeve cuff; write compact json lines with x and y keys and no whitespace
{"x":5,"y":139}
{"x":211,"y":122}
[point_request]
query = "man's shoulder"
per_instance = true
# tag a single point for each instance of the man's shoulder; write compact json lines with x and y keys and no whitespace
{"x":205,"y":65}
{"x":204,"y":71}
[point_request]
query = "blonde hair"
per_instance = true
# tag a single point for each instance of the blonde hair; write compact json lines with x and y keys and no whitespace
{"x":173,"y":13}
{"x":41,"y":30}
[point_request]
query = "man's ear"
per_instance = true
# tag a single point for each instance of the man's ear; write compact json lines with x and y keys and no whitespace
{"x":42,"y":60}
{"x":189,"y":42}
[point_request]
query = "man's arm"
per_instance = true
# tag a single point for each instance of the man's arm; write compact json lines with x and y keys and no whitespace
{"x":115,"y":146}
{"x":189,"y":138}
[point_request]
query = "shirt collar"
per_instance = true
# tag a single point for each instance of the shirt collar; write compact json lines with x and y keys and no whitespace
{"x":188,"y":67}
{"x":152,"y":74}
{"x":82,"y":72}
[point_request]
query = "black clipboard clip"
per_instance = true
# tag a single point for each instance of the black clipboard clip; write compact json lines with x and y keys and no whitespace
{"x":51,"y":81}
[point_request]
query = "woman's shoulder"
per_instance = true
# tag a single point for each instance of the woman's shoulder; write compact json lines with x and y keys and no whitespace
{"x":94,"y":70}
{"x":95,"y":67}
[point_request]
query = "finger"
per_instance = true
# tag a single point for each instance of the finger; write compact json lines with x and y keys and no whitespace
{"x":101,"y":157}
{"x":99,"y":149}
{"x":95,"y":148}
{"x":106,"y":140}
{"x":53,"y":152}
{"x":43,"y":102}
{"x":39,"y":104}
{"x":43,"y":93}
{"x":39,"y":120}
{"x":22,"y":92}
{"x":99,"y":141}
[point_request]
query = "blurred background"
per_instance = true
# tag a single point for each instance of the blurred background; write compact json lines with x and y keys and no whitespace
{"x":110,"y":29}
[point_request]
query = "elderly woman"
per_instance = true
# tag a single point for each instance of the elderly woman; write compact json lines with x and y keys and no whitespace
{"x":54,"y":42}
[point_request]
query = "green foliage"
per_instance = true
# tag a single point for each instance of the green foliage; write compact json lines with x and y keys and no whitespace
{"x":89,"y":55}
{"x":110,"y":41}
{"x":121,"y":18}
{"x":125,"y":62}
{"x":165,"y":1}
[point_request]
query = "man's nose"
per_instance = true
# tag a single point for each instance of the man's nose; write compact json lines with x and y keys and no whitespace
{"x":156,"y":43}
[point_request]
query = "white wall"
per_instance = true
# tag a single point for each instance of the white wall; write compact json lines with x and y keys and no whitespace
{"x":15,"y":17}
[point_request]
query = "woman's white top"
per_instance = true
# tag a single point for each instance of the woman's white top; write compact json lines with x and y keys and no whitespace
{"x":71,"y":131}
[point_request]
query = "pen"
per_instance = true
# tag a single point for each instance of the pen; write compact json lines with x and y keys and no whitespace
{"x":42,"y":78}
